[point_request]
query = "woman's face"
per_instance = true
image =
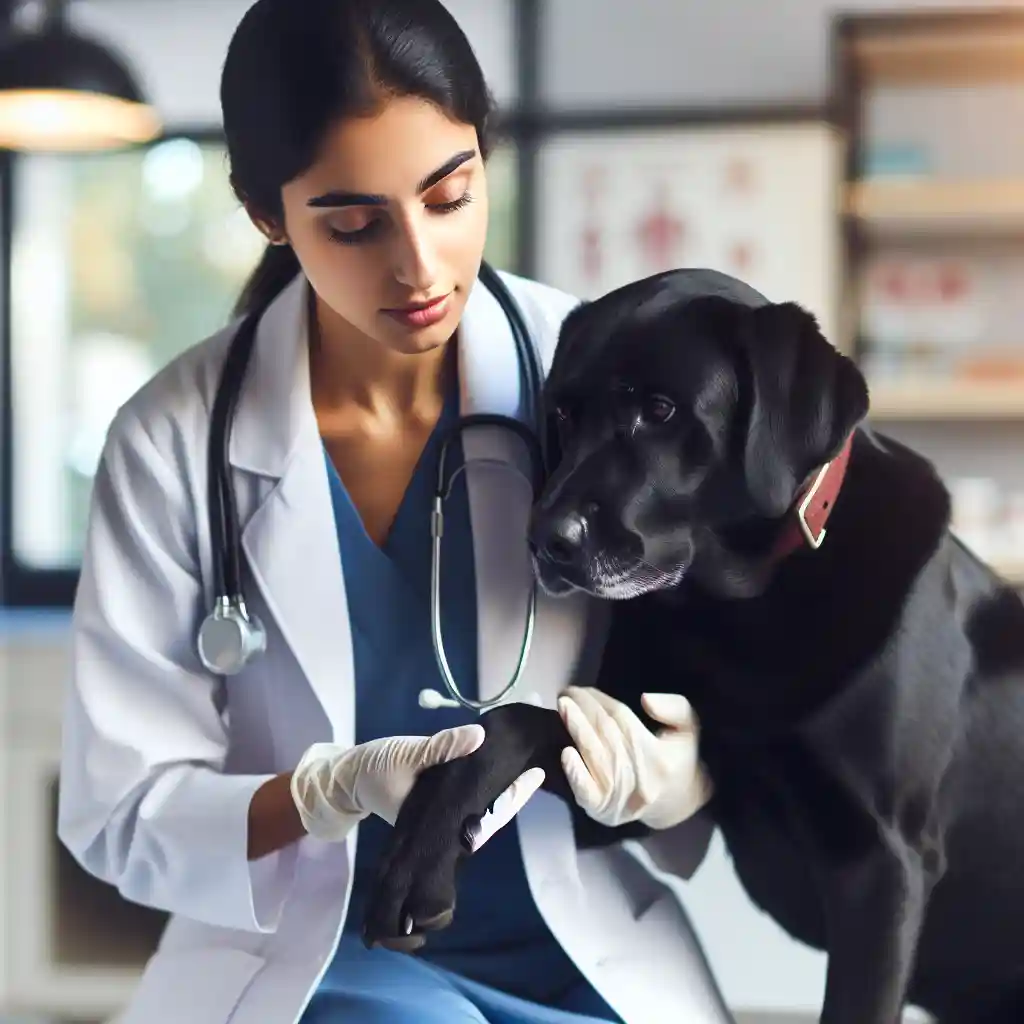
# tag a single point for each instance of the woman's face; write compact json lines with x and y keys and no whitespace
{"x":390,"y":222}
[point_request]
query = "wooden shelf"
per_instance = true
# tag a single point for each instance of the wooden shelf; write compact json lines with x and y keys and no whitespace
{"x":941,"y":55}
{"x":991,"y":204}
{"x":957,"y":400}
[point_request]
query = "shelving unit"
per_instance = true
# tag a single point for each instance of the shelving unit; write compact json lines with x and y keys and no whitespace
{"x":943,"y":194}
{"x":934,"y":186}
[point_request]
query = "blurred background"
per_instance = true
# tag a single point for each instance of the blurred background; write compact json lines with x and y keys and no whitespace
{"x":865,"y":160}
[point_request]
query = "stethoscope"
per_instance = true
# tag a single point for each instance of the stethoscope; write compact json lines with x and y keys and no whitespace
{"x":231,"y":635}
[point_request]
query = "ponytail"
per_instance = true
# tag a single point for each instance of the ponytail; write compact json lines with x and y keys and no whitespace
{"x":276,"y":269}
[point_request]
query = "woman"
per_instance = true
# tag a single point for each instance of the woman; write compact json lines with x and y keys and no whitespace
{"x":356,"y":131}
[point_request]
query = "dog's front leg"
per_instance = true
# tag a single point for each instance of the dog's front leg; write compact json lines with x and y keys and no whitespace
{"x":874,"y":910}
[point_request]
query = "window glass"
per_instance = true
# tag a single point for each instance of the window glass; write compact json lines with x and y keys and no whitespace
{"x":120,"y":261}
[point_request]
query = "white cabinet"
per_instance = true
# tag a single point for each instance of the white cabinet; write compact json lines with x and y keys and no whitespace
{"x":71,"y":945}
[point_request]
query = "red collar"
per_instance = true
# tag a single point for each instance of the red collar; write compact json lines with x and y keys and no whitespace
{"x":813,"y":506}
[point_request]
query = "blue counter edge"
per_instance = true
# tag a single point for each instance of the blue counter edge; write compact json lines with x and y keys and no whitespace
{"x":27,"y":623}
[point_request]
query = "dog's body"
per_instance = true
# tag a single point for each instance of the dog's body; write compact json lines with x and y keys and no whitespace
{"x":861,"y":705}
{"x":863,"y":722}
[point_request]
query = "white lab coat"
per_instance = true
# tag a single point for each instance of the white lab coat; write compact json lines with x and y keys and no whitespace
{"x":160,"y":759}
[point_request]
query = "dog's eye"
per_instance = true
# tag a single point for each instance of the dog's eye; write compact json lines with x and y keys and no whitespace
{"x":658,"y":409}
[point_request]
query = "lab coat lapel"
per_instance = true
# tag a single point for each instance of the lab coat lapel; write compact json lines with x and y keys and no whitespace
{"x":290,"y":539}
{"x":500,"y":502}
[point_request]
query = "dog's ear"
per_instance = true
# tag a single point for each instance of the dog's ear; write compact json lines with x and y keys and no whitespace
{"x":574,"y":331}
{"x":572,"y":337}
{"x":806,"y":399}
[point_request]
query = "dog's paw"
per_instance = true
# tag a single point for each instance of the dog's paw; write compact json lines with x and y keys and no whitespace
{"x":415,"y":887}
{"x":414,"y":891}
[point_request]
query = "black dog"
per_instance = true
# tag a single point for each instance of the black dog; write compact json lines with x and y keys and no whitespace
{"x":861,"y":702}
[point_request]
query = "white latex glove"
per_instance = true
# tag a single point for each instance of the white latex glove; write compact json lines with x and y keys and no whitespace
{"x":335,"y":787}
{"x":620,"y":771}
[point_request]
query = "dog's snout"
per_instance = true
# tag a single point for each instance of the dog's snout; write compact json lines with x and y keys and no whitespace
{"x":559,"y":537}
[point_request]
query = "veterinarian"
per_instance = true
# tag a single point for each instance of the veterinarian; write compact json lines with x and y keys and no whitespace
{"x":251,"y":804}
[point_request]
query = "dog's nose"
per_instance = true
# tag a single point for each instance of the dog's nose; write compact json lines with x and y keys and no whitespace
{"x":559,"y":538}
{"x":566,"y":538}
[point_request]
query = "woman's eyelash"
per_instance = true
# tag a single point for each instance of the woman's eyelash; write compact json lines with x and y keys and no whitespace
{"x":456,"y":204}
{"x":363,"y":234}
{"x":354,"y":237}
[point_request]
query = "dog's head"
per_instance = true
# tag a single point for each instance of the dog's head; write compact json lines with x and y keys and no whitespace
{"x":686,"y":413}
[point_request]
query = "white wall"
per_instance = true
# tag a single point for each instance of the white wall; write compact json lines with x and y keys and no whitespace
{"x":695,"y":52}
{"x":178,"y":47}
{"x":598,"y":52}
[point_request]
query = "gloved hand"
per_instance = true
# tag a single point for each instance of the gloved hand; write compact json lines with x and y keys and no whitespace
{"x":336,"y":787}
{"x":619,"y":771}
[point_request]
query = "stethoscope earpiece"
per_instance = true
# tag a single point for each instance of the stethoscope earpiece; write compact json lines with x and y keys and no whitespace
{"x":432,"y":700}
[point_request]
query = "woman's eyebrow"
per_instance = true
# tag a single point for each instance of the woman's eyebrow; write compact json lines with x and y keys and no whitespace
{"x":339,"y":199}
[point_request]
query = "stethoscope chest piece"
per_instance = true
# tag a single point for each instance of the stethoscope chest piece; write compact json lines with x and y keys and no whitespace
{"x":229,"y":636}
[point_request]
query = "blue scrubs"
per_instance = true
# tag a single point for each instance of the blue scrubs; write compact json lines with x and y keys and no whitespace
{"x":497,"y":963}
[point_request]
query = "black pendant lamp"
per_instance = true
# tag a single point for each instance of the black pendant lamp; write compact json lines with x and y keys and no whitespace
{"x":61,"y":91}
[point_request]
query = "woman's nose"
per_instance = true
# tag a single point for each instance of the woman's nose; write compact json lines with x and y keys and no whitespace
{"x":415,"y":261}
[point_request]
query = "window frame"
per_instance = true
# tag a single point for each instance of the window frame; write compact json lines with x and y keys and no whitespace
{"x":24,"y":586}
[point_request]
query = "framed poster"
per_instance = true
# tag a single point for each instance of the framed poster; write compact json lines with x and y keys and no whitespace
{"x":758,"y":201}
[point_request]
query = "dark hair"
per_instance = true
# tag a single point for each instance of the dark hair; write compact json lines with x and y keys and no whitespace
{"x":296,"y":67}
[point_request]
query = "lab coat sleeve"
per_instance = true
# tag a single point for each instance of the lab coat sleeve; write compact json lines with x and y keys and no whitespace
{"x":143,"y":802}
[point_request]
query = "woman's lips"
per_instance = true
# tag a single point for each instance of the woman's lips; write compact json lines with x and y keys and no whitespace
{"x":422,"y":314}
